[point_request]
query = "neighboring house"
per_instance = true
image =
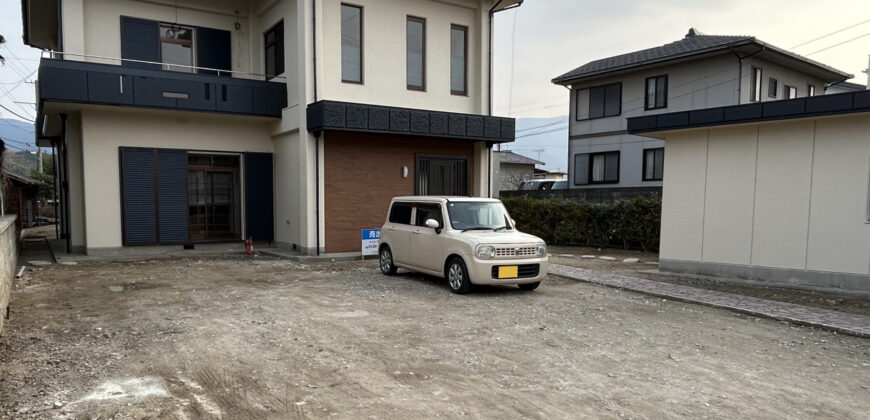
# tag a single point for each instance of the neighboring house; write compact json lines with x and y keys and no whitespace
{"x":290,"y":121}
{"x":21,"y":197}
{"x":698,"y":71}
{"x":843,"y":87}
{"x":513,"y":169}
{"x":545,"y":174}
{"x":777,"y":192}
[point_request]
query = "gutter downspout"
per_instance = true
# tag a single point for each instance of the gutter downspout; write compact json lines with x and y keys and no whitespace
{"x":316,"y":134}
{"x":740,"y":70}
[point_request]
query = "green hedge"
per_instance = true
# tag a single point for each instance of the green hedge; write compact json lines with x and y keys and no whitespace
{"x":629,"y":224}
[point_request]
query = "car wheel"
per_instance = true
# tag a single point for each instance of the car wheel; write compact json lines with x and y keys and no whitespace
{"x":529,"y":286}
{"x":386,"y":257}
{"x":457,"y":276}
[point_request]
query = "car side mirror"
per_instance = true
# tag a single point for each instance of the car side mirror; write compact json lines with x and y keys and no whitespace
{"x":432,"y":224}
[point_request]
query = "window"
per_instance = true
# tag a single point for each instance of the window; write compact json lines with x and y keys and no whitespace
{"x":458,"y":60}
{"x":653,"y":164}
{"x":811,"y":90}
{"x":755,"y":88}
{"x":273,"y":42}
{"x":599,"y":101}
{"x":428,"y":211}
{"x":771,"y":88}
{"x":790,"y":92}
{"x":401,"y":213}
{"x":351,"y":44}
{"x":656,"y":92}
{"x":596,"y":168}
{"x":176,"y":47}
{"x":416,"y":53}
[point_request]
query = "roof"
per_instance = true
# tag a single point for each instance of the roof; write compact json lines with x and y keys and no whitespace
{"x":694,"y":43}
{"x":510,"y":157}
{"x":23,"y":179}
{"x":442,"y":198}
{"x":849,"y":85}
{"x":814,"y":106}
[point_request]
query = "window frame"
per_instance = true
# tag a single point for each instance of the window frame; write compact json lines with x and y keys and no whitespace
{"x":787,"y":92}
{"x":755,"y":84}
{"x":811,"y":90}
{"x":278,"y":43}
{"x":432,"y":205}
{"x":464,"y":29}
{"x":772,"y":83}
{"x":646,"y":106}
{"x":604,"y":115}
{"x":643,"y":173}
{"x":592,"y":168}
{"x":192,"y":44}
{"x":362,"y":31}
{"x":422,"y":21}
{"x":409,"y":204}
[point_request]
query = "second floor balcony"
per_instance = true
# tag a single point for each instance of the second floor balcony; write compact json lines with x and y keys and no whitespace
{"x":85,"y":82}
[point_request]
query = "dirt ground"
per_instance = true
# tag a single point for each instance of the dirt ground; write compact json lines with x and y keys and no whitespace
{"x":856,"y":304}
{"x":259,"y":338}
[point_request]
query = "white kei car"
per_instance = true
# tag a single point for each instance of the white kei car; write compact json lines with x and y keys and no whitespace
{"x":465,"y":240}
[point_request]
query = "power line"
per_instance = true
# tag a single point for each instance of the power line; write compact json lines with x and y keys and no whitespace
{"x":841,"y":43}
{"x":15,"y":113}
{"x":832,"y":33}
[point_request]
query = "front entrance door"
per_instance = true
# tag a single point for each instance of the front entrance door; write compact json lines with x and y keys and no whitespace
{"x":213,"y":197}
{"x":442,"y":175}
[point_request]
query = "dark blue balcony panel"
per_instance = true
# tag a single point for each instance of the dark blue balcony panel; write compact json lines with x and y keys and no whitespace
{"x":105,"y":84}
{"x":365,"y":118}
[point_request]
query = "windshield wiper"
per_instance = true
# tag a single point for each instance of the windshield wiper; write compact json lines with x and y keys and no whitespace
{"x":500,"y":228}
{"x":477,"y":228}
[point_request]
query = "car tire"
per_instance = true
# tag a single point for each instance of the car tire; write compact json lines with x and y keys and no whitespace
{"x":385,"y":257}
{"x":457,"y":276}
{"x":529,"y":286}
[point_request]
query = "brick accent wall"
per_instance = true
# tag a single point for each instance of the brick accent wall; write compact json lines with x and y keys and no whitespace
{"x":363,"y":172}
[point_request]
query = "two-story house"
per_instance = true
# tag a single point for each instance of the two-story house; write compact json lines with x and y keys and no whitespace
{"x":180,"y":123}
{"x":698,"y":71}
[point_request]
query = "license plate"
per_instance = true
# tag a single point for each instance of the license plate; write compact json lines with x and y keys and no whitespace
{"x":507,"y":272}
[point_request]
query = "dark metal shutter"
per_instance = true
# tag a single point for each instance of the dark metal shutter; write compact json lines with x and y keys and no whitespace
{"x":259,"y":215}
{"x":140,"y":40}
{"x":213,"y":50}
{"x":172,"y":195}
{"x":138,"y":195}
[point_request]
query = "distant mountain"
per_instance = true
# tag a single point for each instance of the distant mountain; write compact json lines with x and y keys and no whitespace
{"x":17,"y":134}
{"x":544,"y":139}
{"x":19,"y":163}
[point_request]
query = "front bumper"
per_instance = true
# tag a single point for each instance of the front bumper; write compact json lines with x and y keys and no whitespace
{"x":529,"y":270}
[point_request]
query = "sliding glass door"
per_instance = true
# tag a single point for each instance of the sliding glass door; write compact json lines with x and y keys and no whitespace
{"x":213,"y":197}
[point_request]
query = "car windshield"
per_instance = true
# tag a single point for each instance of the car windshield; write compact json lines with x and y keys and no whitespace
{"x":478,"y":215}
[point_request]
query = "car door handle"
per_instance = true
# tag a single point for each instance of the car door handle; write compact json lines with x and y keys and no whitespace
{"x":416,"y":232}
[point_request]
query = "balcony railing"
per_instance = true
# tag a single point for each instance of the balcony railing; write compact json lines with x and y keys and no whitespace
{"x":107,"y":83}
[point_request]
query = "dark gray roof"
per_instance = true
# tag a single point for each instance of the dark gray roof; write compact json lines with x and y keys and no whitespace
{"x":694,"y":43}
{"x":510,"y":157}
{"x":23,"y":179}
{"x":849,"y":85}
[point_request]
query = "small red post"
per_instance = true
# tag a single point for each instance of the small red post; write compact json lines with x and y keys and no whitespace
{"x":249,"y":246}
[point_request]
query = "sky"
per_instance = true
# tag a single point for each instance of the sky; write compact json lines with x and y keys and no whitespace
{"x":547,"y":38}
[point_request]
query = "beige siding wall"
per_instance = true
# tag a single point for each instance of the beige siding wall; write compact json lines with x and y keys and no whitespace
{"x":683,"y":196}
{"x":384,"y":68}
{"x":787,"y":194}
{"x":105,"y":130}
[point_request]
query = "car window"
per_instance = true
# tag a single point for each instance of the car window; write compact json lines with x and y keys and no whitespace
{"x":428,"y":211}
{"x":476,"y":215}
{"x":401,"y":213}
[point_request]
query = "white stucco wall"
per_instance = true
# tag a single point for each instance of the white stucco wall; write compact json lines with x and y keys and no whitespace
{"x":384,"y":68}
{"x":106,"y":129}
{"x":787,"y":194}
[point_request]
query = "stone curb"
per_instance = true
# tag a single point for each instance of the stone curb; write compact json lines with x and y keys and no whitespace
{"x":852,"y":324}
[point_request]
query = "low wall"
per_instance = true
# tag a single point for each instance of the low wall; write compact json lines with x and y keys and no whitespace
{"x":8,"y":262}
{"x":598,"y":195}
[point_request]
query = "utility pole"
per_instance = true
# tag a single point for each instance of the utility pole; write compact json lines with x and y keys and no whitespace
{"x":39,"y":157}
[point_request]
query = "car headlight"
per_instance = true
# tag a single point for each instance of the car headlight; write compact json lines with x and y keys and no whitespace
{"x":542,"y":250}
{"x":486,"y":252}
